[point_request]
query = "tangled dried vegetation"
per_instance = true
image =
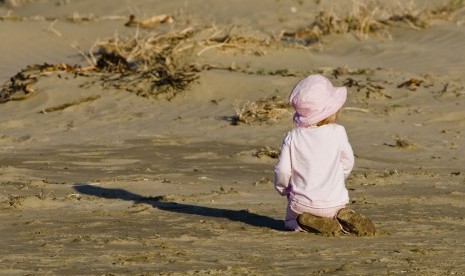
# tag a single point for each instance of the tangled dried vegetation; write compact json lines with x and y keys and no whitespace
{"x":270,"y":152}
{"x":366,"y":21}
{"x":264,"y":110}
{"x":20,"y":86}
{"x":147,"y":66}
{"x":160,"y":65}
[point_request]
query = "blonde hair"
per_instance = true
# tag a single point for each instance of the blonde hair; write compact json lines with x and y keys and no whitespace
{"x":329,"y":120}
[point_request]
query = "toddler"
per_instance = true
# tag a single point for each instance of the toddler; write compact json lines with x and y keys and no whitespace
{"x":315,"y":160}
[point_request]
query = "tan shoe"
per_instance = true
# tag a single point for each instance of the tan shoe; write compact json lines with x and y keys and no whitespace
{"x":319,"y":225}
{"x":355,"y":223}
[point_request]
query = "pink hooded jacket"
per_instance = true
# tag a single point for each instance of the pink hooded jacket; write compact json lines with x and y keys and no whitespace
{"x":313,"y":165}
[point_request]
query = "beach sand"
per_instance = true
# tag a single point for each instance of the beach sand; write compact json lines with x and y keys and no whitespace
{"x":102,"y":174}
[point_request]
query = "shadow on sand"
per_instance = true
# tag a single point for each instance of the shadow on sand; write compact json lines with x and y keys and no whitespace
{"x":159,"y":203}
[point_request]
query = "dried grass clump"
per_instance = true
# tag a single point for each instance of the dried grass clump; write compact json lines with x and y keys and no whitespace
{"x":150,"y":22}
{"x":237,"y":39}
{"x":447,"y":10}
{"x":21,"y":85}
{"x":402,"y":143}
{"x":268,"y":152}
{"x":420,"y":19}
{"x":265,"y":110}
{"x":148,"y":65}
{"x":339,"y":71}
{"x":15,"y":200}
{"x":66,"y":105}
{"x":366,"y":21}
{"x":411,"y":84}
{"x":16,"y":3}
{"x":361,"y":21}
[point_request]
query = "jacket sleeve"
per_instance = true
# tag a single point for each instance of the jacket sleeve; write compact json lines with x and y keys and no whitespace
{"x":347,"y":155}
{"x":283,"y":169}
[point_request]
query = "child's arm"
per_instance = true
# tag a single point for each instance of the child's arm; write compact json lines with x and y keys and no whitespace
{"x":347,"y":156}
{"x":283,"y":171}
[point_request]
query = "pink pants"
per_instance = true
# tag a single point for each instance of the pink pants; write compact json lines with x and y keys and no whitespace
{"x":294,"y":209}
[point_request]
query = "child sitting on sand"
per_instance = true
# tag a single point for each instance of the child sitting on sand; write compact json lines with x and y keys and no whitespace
{"x":315,"y":160}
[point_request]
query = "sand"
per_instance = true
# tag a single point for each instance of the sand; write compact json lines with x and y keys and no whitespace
{"x":100,"y":180}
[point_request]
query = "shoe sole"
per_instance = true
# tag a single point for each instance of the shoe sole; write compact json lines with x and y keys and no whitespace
{"x":356,"y":223}
{"x":318,"y":225}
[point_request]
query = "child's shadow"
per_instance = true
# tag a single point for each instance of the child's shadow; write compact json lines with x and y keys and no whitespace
{"x":157,"y":202}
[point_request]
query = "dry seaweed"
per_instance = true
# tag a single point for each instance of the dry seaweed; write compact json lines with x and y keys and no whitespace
{"x":66,"y":105}
{"x":360,"y":22}
{"x":231,"y":38}
{"x":401,"y":143}
{"x":411,"y":84}
{"x":20,"y":86}
{"x":150,"y":22}
{"x":264,"y":110}
{"x":364,"y":21}
{"x":147,"y":66}
{"x":369,"y":87}
{"x":152,"y":64}
{"x":267,"y":151}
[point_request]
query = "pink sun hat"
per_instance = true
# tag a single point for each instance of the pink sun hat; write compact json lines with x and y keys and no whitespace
{"x":314,"y":99}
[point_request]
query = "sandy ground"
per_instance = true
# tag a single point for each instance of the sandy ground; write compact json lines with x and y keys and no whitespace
{"x":120,"y":184}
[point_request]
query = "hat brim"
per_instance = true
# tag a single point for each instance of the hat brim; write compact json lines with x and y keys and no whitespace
{"x":332,"y":106}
